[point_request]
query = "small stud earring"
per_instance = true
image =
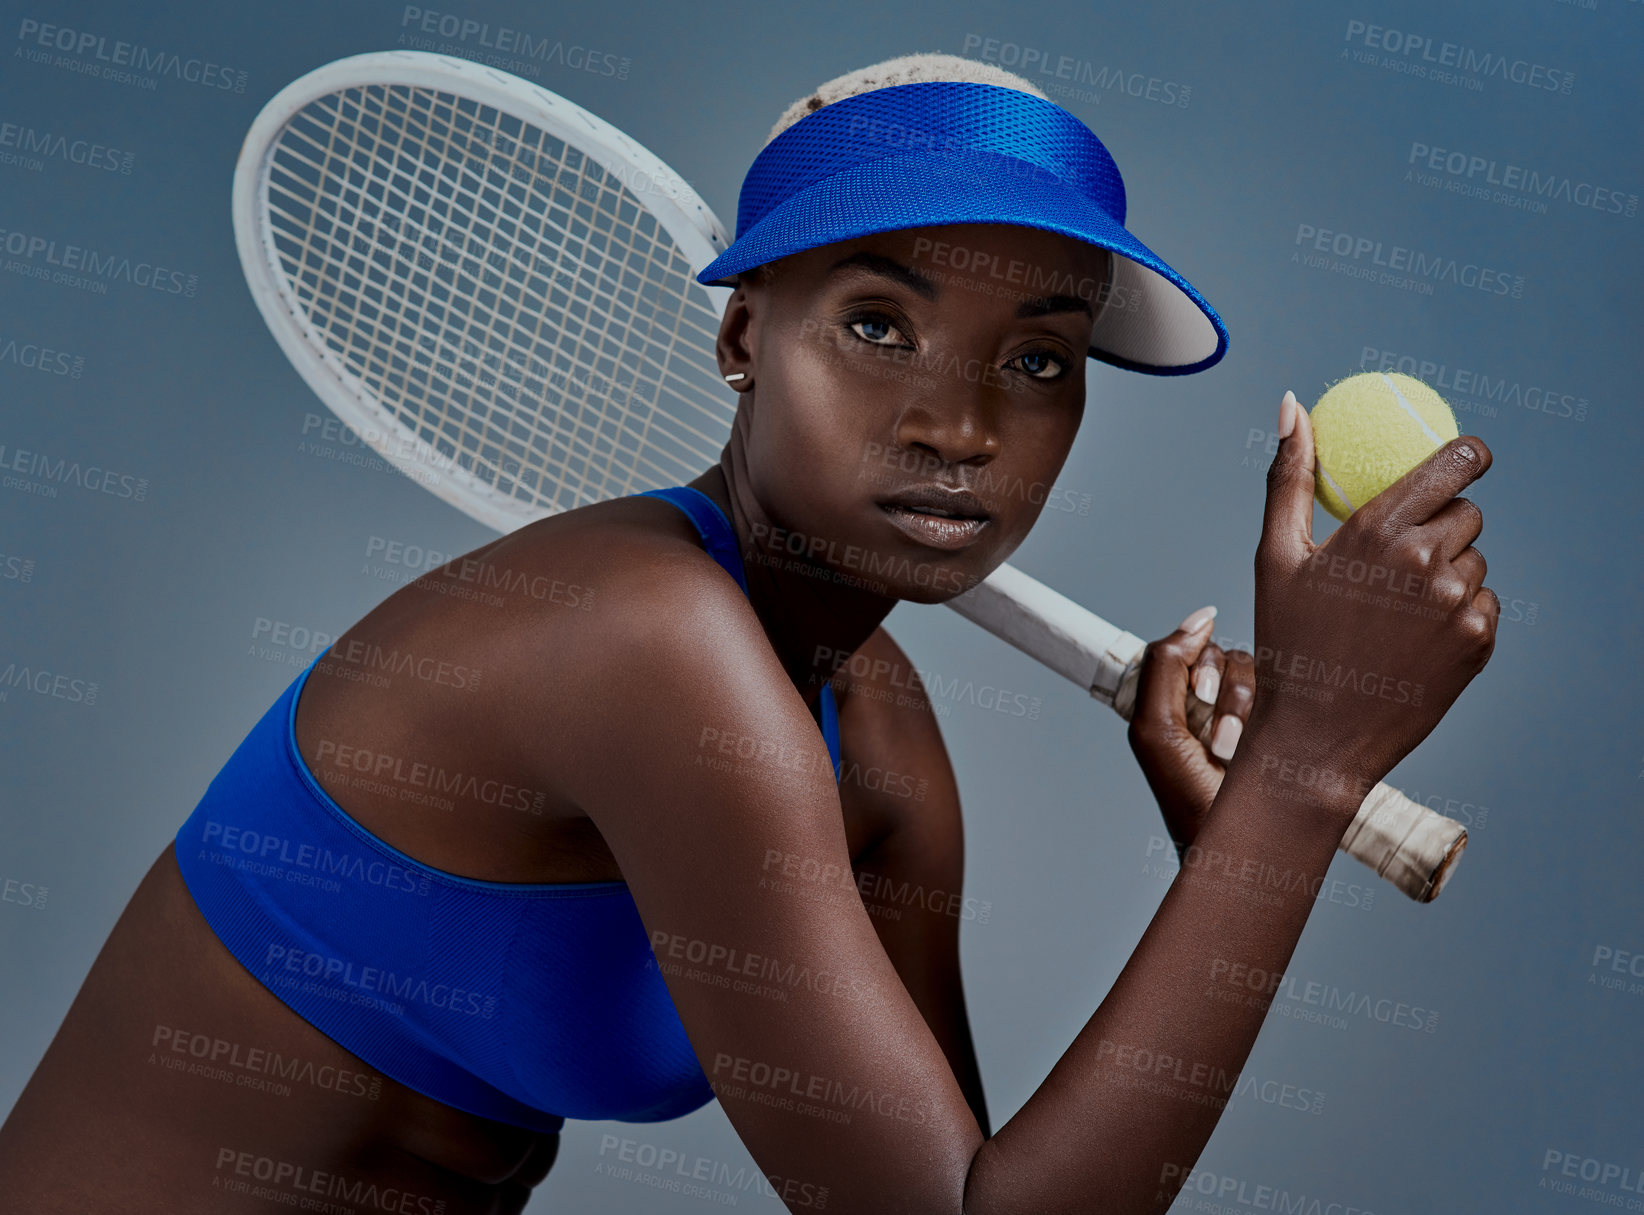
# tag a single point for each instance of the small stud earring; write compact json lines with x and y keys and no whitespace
{"x":735,"y":376}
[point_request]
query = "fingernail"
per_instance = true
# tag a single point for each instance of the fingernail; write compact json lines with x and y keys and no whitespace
{"x":1287,"y":414}
{"x":1198,"y":620}
{"x":1209,"y":683}
{"x":1226,"y":737}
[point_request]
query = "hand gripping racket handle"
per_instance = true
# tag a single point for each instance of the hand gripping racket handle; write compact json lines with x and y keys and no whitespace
{"x":1411,"y":846}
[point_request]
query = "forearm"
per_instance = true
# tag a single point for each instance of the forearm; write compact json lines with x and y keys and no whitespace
{"x":1128,"y":1108}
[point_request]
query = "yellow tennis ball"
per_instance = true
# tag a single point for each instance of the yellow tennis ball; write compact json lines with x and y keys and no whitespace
{"x":1368,"y":431}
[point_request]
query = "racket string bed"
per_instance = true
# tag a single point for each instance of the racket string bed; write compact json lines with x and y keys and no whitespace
{"x":546,"y":280}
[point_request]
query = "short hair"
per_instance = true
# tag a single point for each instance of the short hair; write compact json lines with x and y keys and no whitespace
{"x":922,"y":68}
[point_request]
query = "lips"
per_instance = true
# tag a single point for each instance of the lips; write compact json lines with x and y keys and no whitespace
{"x":937,"y":516}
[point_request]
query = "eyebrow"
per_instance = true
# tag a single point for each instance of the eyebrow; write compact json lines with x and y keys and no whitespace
{"x":1045,"y":305}
{"x":885,"y":267}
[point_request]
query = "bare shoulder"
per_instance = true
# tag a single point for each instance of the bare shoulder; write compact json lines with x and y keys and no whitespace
{"x":577,"y":591}
{"x":660,"y":646}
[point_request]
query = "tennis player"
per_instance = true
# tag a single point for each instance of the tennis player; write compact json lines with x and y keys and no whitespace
{"x":640,"y":807}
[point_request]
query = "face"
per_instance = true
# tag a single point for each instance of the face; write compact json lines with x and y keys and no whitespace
{"x":912,"y":397}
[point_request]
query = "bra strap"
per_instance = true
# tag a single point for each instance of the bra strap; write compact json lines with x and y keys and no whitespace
{"x":711,"y":524}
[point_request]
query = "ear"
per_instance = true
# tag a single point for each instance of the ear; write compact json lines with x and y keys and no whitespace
{"x":735,"y":345}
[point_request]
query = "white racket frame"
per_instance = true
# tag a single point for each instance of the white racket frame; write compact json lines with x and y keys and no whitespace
{"x":687,"y":219}
{"x":1410,"y":845}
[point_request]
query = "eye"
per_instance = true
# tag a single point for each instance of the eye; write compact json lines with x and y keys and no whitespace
{"x":877,"y":331}
{"x":1040,"y":364}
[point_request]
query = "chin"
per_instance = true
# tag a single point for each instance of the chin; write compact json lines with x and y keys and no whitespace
{"x":937,"y":583}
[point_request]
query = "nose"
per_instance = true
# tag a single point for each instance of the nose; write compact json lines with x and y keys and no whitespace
{"x":956,"y":422}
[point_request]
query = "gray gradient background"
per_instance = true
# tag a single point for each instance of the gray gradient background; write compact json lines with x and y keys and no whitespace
{"x":156,"y":600}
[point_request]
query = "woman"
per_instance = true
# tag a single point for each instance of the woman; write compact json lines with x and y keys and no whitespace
{"x":615,"y":849}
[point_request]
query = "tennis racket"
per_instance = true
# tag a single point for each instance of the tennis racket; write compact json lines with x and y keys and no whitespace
{"x":494,"y":288}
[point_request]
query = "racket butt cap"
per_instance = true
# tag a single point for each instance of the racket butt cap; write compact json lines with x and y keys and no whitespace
{"x":1445,"y":868}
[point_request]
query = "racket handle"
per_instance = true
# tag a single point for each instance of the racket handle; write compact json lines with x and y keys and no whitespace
{"x":1411,"y":846}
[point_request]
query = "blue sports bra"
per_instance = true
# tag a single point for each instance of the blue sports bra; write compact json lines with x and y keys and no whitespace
{"x":527,"y":1003}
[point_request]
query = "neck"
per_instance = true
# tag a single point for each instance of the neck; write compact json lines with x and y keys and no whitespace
{"x":813,"y":623}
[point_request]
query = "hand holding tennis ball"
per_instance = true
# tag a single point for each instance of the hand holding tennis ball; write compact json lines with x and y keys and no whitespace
{"x":1364,"y":641}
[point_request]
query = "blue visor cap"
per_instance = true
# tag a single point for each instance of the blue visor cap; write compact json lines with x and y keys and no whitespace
{"x":918,"y":155}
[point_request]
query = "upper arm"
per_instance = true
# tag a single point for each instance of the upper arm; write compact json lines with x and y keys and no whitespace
{"x":897,"y":775}
{"x":711,"y":784}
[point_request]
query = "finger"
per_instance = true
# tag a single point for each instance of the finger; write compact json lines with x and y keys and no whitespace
{"x":1238,"y":694}
{"x":1480,"y":619}
{"x":1206,"y":676}
{"x":1471,"y":566}
{"x":1456,"y":525}
{"x":1423,"y":491}
{"x":1287,"y":522}
{"x":1161,"y":689}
